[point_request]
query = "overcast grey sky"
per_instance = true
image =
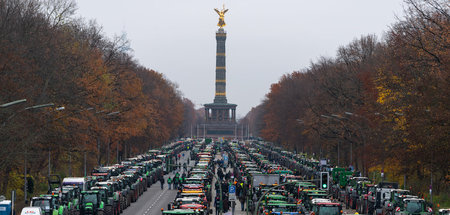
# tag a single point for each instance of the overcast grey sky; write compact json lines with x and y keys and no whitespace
{"x":265,"y":40}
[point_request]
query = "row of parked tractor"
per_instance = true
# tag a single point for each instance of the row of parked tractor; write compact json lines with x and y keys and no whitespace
{"x":270,"y":187}
{"x":344,"y":185}
{"x":193,"y":183}
{"x":366,"y":197}
{"x":109,"y":190}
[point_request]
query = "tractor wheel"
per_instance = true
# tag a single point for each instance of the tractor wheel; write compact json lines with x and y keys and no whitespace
{"x":108,"y":210}
{"x":122,"y":203}
{"x":133,"y":196}
{"x":128,"y":199}
{"x":366,"y":208}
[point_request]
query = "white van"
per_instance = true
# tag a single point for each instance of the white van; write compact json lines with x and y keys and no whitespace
{"x":31,"y":211}
{"x":75,"y":181}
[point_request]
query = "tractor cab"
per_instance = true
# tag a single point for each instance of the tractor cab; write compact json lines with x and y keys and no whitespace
{"x":414,"y":206}
{"x":326,"y":208}
{"x":282,"y":208}
{"x":181,"y":211}
{"x":91,"y":202}
{"x":48,"y":204}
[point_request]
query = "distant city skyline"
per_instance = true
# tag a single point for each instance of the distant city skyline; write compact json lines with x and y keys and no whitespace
{"x":266,"y":39}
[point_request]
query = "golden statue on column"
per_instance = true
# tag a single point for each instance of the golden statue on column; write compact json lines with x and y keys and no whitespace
{"x":221,"y":16}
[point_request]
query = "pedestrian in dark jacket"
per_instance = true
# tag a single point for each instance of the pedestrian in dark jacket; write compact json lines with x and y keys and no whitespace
{"x":226,"y":203}
{"x":217,"y":204}
{"x":161,"y":180}
{"x":242,"y":201}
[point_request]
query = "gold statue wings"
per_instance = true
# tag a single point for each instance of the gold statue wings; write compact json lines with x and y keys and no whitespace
{"x":221,"y":16}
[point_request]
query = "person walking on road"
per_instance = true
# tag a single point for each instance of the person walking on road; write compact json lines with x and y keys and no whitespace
{"x":161,"y":180}
{"x":217,"y":204}
{"x":169,"y":182}
{"x":242,"y":200}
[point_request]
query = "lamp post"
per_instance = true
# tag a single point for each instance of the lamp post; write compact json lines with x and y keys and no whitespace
{"x":109,"y":142}
{"x":235,"y":131}
{"x":335,"y":117}
{"x":25,"y":184}
{"x":49,"y":149}
{"x":13,"y":103}
{"x":27,"y":108}
{"x":361,"y":132}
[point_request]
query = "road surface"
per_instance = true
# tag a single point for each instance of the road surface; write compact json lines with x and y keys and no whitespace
{"x":151,"y":202}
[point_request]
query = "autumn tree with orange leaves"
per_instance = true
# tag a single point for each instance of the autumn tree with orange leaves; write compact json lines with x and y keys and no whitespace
{"x":114,"y":108}
{"x":378,"y":105}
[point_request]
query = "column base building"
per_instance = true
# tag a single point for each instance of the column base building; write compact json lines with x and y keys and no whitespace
{"x":220,"y":120}
{"x":220,"y":116}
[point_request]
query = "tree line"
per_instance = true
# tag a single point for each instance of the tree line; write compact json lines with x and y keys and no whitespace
{"x":381,"y":105}
{"x":100,"y":102}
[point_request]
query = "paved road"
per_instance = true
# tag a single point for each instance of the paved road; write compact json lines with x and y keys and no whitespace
{"x":151,"y":202}
{"x":237,"y":210}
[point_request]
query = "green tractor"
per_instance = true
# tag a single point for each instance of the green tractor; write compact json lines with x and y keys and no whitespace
{"x":49,"y":204}
{"x":91,"y":203}
{"x":134,"y":183}
{"x":414,"y":206}
{"x":120,"y":185}
{"x":339,"y":176}
{"x":69,"y":197}
{"x":109,"y":197}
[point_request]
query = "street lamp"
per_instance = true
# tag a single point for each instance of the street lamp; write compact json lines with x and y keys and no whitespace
{"x":40,"y":106}
{"x":337,"y":117}
{"x":117,"y":148}
{"x":360,"y":131}
{"x":25,"y":184}
{"x":60,"y":108}
{"x":349,"y":113}
{"x":325,"y":116}
{"x":13,"y":103}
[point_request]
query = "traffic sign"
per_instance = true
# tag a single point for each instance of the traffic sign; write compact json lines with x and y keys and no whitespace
{"x":232,"y":193}
{"x":231,"y":189}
